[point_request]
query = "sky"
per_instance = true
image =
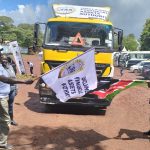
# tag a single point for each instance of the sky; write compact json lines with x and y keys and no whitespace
{"x":129,"y":15}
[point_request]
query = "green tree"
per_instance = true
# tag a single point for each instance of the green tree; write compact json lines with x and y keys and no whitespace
{"x":145,"y":36}
{"x":23,"y":33}
{"x":26,"y":26}
{"x":8,"y":34}
{"x":6,"y":24}
{"x":6,"y":20}
{"x":27,"y":35}
{"x":130,"y":42}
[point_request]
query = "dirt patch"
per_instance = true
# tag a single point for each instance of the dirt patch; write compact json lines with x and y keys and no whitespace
{"x":81,"y":128}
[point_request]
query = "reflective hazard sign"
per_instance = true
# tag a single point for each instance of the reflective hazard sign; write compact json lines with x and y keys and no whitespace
{"x":78,"y":40}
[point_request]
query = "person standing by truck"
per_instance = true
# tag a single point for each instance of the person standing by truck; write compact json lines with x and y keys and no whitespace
{"x":121,"y":70}
{"x":13,"y":87}
{"x":31,"y":67}
{"x":5,"y":82}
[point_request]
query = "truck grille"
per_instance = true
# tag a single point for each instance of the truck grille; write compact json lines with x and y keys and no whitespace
{"x":99,"y":67}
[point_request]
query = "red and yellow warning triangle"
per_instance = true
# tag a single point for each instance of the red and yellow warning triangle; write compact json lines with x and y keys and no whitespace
{"x":78,"y":40}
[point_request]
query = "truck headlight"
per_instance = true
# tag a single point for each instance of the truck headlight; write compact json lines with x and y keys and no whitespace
{"x":43,"y":85}
{"x":45,"y":91}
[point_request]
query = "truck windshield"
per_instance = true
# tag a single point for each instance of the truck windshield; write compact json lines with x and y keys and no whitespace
{"x":64,"y":33}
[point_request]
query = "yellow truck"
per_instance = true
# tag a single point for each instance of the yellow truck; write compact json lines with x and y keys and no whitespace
{"x":72,"y":31}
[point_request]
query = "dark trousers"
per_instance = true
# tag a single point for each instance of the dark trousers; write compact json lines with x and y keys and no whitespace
{"x":31,"y":70}
{"x":12,"y":95}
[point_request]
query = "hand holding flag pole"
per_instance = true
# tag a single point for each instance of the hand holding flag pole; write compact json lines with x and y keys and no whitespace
{"x":37,"y":78}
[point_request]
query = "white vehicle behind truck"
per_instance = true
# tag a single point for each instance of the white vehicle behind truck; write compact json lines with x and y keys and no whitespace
{"x":138,"y":67}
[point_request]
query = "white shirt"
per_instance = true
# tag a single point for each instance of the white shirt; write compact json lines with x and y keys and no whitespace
{"x":4,"y":87}
{"x":30,"y":64}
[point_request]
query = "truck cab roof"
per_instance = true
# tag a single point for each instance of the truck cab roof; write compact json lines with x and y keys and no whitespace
{"x":83,"y":20}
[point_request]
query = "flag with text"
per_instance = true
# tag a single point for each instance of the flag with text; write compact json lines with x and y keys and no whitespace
{"x":73,"y":78}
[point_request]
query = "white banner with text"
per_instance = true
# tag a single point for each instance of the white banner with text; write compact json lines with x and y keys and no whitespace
{"x":81,"y":11}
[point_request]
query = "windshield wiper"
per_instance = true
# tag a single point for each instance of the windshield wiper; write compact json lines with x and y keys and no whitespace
{"x":102,"y":48}
{"x":66,"y":46}
{"x":53,"y":44}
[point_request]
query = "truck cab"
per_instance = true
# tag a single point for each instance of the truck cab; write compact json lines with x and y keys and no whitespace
{"x":69,"y":36}
{"x":59,"y":45}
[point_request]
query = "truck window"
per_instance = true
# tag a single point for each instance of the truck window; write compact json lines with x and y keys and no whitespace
{"x":93,"y":34}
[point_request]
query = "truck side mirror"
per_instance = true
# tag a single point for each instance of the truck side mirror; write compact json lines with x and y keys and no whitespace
{"x":120,"y":37}
{"x":36,"y":32}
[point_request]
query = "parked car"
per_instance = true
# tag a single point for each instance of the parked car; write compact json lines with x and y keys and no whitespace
{"x":135,"y":68}
{"x":143,"y":63}
{"x":138,"y":67}
{"x":132,"y":62}
{"x":146,"y":72}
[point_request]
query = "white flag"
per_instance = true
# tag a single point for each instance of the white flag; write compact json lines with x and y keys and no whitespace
{"x":74,"y":78}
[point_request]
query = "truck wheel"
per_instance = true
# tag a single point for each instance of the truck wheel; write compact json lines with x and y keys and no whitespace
{"x":47,"y":108}
{"x":135,"y":71}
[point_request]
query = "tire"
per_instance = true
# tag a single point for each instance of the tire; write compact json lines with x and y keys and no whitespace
{"x":48,"y":108}
{"x":135,"y":71}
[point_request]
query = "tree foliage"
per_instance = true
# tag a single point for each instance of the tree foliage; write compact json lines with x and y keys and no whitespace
{"x":6,"y":20}
{"x":145,"y":36}
{"x":23,"y":33}
{"x":130,"y":42}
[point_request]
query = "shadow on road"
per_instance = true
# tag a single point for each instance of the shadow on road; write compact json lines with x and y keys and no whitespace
{"x":33,"y":104}
{"x":126,"y":134}
{"x":55,"y":139}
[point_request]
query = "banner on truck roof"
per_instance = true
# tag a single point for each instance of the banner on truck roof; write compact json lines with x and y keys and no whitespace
{"x":74,"y":78}
{"x":15,"y":49}
{"x":81,"y":11}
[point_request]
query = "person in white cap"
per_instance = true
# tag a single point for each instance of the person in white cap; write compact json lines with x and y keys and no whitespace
{"x":31,"y":67}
